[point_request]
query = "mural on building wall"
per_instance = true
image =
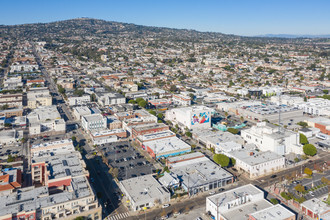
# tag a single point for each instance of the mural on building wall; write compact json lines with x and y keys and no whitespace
{"x":200,"y":118}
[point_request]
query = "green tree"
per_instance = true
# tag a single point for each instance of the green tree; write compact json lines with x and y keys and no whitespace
{"x":10,"y":158}
{"x":80,"y":218}
{"x":173,"y":88}
{"x":303,"y":139}
{"x":153,"y":112}
{"x":143,"y":103}
{"x":286,"y":196}
{"x":138,"y":100}
{"x":93,"y":97}
{"x":308,"y":171}
{"x":188,"y":134}
{"x":160,"y":116}
{"x":132,"y":101}
{"x":309,"y":149}
{"x":73,"y":138}
{"x":233,"y":130}
{"x":221,"y":159}
{"x":232,"y":161}
{"x":302,"y":124}
{"x":79,"y":92}
{"x":61,"y":89}
{"x":4,"y":107}
{"x":300,"y":188}
{"x":274,"y":201}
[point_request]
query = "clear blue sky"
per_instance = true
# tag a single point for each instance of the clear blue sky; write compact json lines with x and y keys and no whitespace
{"x":242,"y":17}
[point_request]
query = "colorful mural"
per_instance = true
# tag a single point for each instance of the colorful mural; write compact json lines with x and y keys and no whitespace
{"x":200,"y":118}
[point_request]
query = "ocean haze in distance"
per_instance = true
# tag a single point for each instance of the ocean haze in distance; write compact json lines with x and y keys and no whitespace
{"x":293,"y":36}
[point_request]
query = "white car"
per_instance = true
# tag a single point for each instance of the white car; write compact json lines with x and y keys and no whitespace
{"x":165,"y":206}
{"x":211,"y":192}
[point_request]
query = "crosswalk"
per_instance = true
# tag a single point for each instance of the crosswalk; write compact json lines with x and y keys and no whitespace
{"x":118,"y":216}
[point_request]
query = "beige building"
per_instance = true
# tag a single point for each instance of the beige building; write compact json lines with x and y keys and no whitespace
{"x":38,"y":97}
{"x":12,"y":100}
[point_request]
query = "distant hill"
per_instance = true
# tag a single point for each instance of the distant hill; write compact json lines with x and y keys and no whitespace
{"x":89,"y":28}
{"x":293,"y":36}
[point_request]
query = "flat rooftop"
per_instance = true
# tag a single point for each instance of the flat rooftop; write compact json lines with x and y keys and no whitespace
{"x":258,"y":157}
{"x":62,"y":165}
{"x":148,"y":126}
{"x":200,"y":171}
{"x":243,"y":211}
{"x":94,"y":117}
{"x":276,"y":212}
{"x":166,"y":145}
{"x":185,"y":157}
{"x":157,"y":135}
{"x":143,"y":188}
{"x":231,"y":195}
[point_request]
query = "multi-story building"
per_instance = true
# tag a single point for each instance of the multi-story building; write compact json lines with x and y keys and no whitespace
{"x":182,"y":100}
{"x":81,"y":111}
{"x":46,"y":120}
{"x":94,"y":122}
{"x":79,"y":100}
{"x":245,"y":202}
{"x":16,"y":112}
{"x":12,"y":100}
{"x":38,"y":97}
{"x":257,"y":163}
{"x":196,"y":117}
{"x":105,"y":99}
{"x":268,"y":137}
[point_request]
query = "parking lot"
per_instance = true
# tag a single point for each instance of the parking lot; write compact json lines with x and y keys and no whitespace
{"x":126,"y":159}
{"x":308,"y":183}
{"x":14,"y":150}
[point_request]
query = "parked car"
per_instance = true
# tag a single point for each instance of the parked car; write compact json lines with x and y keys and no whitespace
{"x":211,"y":193}
{"x":165,"y":206}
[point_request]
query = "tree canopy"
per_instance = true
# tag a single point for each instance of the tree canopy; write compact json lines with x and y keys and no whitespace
{"x":303,"y":139}
{"x":221,"y":159}
{"x":309,"y":149}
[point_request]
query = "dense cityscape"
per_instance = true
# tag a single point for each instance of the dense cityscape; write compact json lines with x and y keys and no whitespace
{"x":110,"y":120}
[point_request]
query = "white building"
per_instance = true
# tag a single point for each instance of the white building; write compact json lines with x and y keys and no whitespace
{"x":195,"y":117}
{"x":46,"y":119}
{"x":257,"y":163}
{"x":268,"y":138}
{"x":78,"y":112}
{"x":94,"y":122}
{"x":105,"y":99}
{"x":10,"y":136}
{"x":39,"y":96}
{"x":244,"y":202}
{"x":144,"y":191}
{"x":79,"y":100}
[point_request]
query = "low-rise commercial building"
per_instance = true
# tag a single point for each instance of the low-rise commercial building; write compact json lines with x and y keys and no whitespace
{"x":165,"y":147}
{"x":144,"y":192}
{"x":245,"y":202}
{"x":257,"y":163}
{"x":321,"y":123}
{"x":198,"y":174}
{"x":108,"y":136}
{"x":316,"y":208}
